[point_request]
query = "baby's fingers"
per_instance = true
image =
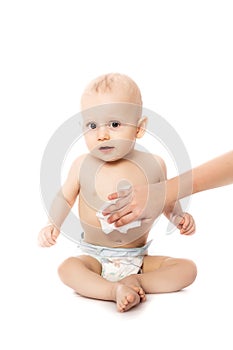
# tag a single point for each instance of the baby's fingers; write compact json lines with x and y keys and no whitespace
{"x":188,"y":232}
{"x":55,"y":234}
{"x":188,"y":226}
{"x":45,"y":238}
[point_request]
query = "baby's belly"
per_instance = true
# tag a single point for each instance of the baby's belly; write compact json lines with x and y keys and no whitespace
{"x":94,"y":194}
{"x":94,"y":234}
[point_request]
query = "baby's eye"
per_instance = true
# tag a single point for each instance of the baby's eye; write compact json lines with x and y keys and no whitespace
{"x":114,"y":124}
{"x":92,"y":125}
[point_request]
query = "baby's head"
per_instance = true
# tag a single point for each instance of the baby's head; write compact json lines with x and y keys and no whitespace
{"x":112,"y":114}
{"x":110,"y":88}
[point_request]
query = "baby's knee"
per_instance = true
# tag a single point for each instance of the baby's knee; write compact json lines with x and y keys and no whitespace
{"x":190,"y":269}
{"x":65,"y":266}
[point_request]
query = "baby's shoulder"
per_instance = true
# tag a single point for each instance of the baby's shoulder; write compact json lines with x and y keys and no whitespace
{"x":77,"y":163}
{"x":152,"y":164}
{"x":159,"y":160}
{"x":153,"y":159}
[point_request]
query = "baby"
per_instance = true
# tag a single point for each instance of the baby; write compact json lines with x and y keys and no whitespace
{"x":114,"y":263}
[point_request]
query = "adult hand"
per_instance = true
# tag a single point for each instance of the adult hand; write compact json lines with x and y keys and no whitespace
{"x":143,"y":203}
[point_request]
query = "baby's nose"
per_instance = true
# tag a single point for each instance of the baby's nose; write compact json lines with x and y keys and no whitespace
{"x":103,"y":133}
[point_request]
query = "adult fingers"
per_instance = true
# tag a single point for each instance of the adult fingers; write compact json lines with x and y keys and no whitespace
{"x":121,"y":203}
{"x":120,"y":194}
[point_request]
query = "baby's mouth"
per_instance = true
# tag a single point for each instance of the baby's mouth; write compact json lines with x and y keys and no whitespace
{"x":106,"y":149}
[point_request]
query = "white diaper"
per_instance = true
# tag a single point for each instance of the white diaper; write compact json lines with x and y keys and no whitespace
{"x":116,"y":263}
{"x":114,"y":269}
{"x":107,"y":228}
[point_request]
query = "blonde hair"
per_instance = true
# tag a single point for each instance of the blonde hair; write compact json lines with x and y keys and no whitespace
{"x":112,"y":82}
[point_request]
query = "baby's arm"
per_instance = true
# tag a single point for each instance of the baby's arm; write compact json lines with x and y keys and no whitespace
{"x":183,"y":221}
{"x":61,"y":206}
{"x":174,"y":212}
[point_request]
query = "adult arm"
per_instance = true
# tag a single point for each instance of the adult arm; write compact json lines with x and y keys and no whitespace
{"x":148,"y":202}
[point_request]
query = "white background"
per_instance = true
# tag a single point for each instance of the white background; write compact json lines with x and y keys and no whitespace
{"x":180,"y":54}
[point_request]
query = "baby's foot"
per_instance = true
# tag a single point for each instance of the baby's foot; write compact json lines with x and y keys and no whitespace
{"x":140,"y":291}
{"x":133,"y":282}
{"x":126,"y":297}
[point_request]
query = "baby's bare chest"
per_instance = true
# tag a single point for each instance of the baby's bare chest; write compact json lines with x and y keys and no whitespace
{"x":99,"y":179}
{"x":110,"y":178}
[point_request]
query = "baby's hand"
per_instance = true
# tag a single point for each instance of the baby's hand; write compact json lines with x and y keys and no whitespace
{"x":48,"y":236}
{"x":185,"y":224}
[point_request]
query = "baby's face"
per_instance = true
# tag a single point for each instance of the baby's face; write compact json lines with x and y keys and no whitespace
{"x":110,"y":124}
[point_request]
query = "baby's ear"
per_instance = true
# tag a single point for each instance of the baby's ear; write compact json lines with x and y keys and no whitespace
{"x":141,"y":127}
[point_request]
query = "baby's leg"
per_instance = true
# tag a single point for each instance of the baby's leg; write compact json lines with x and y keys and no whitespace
{"x":164,"y":274}
{"x":82,"y":274}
